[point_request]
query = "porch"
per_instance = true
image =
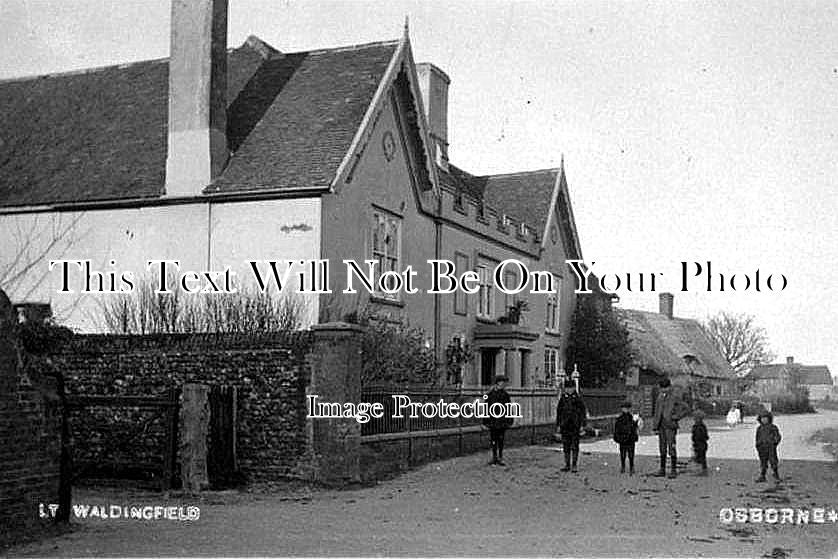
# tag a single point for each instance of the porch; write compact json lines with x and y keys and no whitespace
{"x":502,"y":349}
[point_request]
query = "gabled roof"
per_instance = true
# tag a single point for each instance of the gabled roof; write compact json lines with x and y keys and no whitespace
{"x":101,"y":134}
{"x":673,"y":346}
{"x":803,"y":374}
{"x":315,"y":103}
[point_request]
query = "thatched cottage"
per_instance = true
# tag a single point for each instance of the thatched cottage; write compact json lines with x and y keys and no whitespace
{"x":679,"y":348}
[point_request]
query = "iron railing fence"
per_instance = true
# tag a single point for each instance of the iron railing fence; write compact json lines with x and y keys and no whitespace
{"x":537,"y":406}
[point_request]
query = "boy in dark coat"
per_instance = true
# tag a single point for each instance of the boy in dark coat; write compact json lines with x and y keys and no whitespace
{"x":498,"y":425}
{"x":700,"y":438}
{"x":570,"y":417}
{"x":625,"y":435}
{"x":767,"y":439}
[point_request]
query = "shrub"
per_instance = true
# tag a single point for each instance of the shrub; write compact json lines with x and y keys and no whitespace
{"x":718,"y":407}
{"x":796,"y":400}
{"x":713,"y":407}
{"x":394,"y":352}
{"x":751,"y":405}
{"x":43,"y":337}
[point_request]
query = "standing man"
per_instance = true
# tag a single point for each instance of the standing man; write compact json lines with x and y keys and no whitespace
{"x":570,"y":418}
{"x":498,"y":425}
{"x":669,"y":409}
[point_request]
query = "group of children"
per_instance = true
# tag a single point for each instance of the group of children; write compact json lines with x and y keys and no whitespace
{"x":628,"y":425}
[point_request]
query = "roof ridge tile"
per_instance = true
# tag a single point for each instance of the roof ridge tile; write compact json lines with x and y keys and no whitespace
{"x":346,"y":48}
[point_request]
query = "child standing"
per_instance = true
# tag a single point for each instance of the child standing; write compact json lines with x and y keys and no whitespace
{"x":700,"y":438}
{"x":768,"y":437}
{"x":625,"y":435}
{"x":498,"y":425}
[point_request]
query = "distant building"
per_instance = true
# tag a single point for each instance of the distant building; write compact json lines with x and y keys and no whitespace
{"x":780,"y":377}
{"x":663,"y":345}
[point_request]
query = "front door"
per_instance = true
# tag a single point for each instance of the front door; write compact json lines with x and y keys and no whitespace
{"x":487,"y":365}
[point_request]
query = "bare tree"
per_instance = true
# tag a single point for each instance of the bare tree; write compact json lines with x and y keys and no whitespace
{"x":742,"y":343}
{"x":31,"y":243}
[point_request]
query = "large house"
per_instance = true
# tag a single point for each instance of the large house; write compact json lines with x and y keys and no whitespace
{"x":663,"y":345}
{"x":780,"y":377}
{"x":218,"y":156}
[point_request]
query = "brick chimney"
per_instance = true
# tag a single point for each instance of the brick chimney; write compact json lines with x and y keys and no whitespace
{"x":434,"y":83}
{"x":790,"y":360}
{"x":666,"y":302}
{"x":197,"y":145}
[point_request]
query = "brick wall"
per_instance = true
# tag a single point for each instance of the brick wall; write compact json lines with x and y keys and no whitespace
{"x":270,"y":371}
{"x":30,"y":437}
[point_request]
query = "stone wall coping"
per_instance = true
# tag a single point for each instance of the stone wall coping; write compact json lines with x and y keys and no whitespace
{"x":337,"y":327}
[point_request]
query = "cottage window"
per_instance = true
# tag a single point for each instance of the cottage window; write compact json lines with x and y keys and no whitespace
{"x":485,"y":301}
{"x":553,"y":311}
{"x":551,"y":364}
{"x":386,"y":245}
{"x":510,"y":279}
{"x":460,"y":296}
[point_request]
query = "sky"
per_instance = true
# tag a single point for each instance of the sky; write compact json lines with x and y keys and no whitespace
{"x":691,"y":132}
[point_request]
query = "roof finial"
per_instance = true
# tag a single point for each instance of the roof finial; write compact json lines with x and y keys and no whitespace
{"x":406,"y":25}
{"x":561,"y":165}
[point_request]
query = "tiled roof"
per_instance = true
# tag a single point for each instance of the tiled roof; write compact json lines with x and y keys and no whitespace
{"x":765,"y":372}
{"x":319,"y":101}
{"x":101,"y":134}
{"x":673,"y":346}
{"x":814,"y":374}
{"x":803,"y":374}
{"x":524,"y":197}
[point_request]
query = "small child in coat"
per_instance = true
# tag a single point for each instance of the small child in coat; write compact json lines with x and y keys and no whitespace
{"x":625,"y":435}
{"x":767,"y":439}
{"x":700,"y":438}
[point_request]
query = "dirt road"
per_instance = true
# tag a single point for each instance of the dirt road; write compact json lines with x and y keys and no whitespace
{"x":466,"y":507}
{"x":739,"y":441}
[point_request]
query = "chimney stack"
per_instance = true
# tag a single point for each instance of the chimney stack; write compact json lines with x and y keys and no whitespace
{"x":790,"y":360}
{"x":666,"y":302}
{"x":433,"y":84}
{"x":197,"y":144}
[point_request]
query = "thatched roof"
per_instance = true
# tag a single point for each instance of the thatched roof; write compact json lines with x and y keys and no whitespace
{"x":673,"y":346}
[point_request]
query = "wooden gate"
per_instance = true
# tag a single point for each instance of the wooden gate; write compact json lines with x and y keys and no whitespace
{"x":221,"y":462}
{"x":125,"y":437}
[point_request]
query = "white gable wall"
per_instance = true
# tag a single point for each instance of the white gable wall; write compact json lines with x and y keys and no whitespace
{"x":200,"y":235}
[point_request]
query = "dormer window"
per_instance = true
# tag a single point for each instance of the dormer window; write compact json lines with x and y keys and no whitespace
{"x":481,"y":209}
{"x":459,"y":200}
{"x":503,"y":223}
{"x":522,"y":229}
